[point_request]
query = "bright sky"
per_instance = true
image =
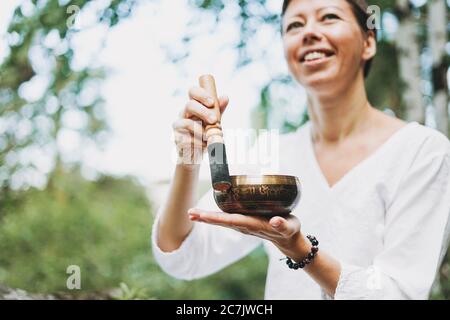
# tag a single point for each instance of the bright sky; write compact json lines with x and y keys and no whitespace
{"x":139,"y":93}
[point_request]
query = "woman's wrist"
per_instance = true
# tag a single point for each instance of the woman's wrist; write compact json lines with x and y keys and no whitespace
{"x":190,"y":159}
{"x":303,"y":248}
{"x":298,"y":248}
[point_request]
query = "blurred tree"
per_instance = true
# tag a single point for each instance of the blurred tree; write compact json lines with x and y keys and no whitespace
{"x":40,"y":86}
{"x":44,"y":231}
{"x":437,"y":39}
{"x":408,"y":45}
{"x":103,"y":227}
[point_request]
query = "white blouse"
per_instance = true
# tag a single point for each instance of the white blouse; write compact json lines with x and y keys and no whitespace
{"x":386,"y":221}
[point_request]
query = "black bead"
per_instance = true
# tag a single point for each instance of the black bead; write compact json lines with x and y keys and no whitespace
{"x":309,"y":258}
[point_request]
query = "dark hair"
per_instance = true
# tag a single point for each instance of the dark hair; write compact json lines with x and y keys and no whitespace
{"x":359,"y":8}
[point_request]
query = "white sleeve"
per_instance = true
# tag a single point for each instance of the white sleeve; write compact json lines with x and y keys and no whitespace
{"x":415,"y":237}
{"x":206,"y":250}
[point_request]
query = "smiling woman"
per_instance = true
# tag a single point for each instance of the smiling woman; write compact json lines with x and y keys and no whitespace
{"x":375,"y":189}
{"x":359,"y":9}
{"x":347,"y":38}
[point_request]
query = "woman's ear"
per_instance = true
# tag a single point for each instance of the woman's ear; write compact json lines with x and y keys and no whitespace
{"x":370,"y":46}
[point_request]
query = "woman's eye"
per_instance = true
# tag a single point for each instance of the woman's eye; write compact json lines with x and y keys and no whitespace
{"x":330,"y":16}
{"x":296,"y":24}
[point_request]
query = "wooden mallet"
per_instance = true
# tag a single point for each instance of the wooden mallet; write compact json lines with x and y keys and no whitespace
{"x":218,"y":163}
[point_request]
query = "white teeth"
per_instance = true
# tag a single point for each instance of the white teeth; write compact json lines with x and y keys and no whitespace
{"x":314,"y":56}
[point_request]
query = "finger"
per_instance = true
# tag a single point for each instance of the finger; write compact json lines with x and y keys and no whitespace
{"x":255,"y":228}
{"x":223,"y":103}
{"x":190,"y":126}
{"x":186,"y":115}
{"x":189,"y":143}
{"x":252,"y":224}
{"x":195,"y":216}
{"x":284,"y":226}
{"x":202,"y":96}
{"x":195,"y":108}
{"x":217,"y":218}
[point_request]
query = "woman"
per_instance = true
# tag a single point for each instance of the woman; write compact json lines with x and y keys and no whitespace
{"x":376,"y":190}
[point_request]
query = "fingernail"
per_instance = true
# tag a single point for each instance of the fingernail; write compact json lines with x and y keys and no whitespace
{"x":210,"y":101}
{"x":276,"y":224}
{"x":191,"y":210}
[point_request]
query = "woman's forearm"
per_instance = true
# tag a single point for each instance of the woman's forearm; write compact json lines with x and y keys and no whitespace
{"x":324,"y":269}
{"x":189,"y":136}
{"x":174,"y":224}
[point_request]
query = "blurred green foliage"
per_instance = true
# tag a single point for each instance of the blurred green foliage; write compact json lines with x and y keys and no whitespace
{"x":103,"y":227}
{"x":95,"y":225}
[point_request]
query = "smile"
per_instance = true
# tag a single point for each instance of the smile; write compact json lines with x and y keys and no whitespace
{"x":316,"y":57}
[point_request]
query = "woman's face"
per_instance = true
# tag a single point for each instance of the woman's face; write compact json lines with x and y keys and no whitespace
{"x":323,"y":44}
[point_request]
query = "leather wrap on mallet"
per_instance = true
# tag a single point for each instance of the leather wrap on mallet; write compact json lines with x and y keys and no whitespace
{"x":218,"y":164}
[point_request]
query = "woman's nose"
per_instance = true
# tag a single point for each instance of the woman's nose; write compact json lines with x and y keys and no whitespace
{"x":310,"y":33}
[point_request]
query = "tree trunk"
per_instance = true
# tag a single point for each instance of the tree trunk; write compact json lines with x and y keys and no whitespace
{"x":437,"y":38}
{"x":409,"y":62}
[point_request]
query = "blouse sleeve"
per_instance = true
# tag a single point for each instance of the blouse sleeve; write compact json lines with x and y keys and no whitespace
{"x":206,"y":250}
{"x":415,"y":237}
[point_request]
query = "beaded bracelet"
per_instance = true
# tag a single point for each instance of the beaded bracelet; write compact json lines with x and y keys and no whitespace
{"x":309,"y":258}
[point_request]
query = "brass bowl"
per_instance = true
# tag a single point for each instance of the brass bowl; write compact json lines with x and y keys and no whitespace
{"x":268,"y":195}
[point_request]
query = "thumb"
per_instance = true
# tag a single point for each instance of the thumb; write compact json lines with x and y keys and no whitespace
{"x":223,"y":103}
{"x":283,"y":226}
{"x":278,"y":224}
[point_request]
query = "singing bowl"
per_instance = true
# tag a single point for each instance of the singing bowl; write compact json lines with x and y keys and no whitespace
{"x":268,"y":195}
